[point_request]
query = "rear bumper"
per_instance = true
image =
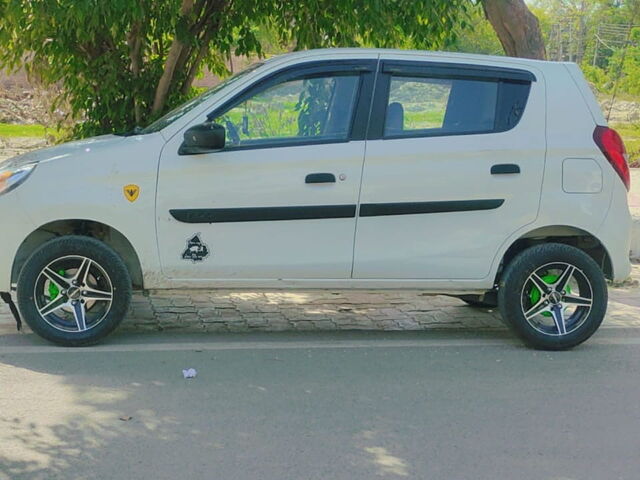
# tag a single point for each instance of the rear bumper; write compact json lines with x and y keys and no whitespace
{"x":615,"y":233}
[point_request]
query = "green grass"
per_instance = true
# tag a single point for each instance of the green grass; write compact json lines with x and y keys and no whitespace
{"x":14,"y":130}
{"x":423,"y":119}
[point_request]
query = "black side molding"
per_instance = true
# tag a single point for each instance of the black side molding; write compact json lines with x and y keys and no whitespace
{"x":316,"y":212}
{"x":505,"y":169}
{"x":413,"y":208}
{"x":262,"y":214}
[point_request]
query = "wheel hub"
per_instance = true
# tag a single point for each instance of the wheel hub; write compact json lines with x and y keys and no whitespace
{"x":74,"y":293}
{"x":555,"y":298}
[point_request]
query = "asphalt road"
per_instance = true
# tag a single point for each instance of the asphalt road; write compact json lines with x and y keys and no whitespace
{"x":422,"y":405}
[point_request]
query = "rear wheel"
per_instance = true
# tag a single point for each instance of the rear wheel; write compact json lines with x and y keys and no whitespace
{"x":74,"y":291}
{"x":554,"y":296}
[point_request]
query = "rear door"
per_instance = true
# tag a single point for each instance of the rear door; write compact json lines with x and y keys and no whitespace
{"x":454,"y":166}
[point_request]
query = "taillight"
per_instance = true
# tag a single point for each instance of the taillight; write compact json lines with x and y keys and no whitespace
{"x":612,"y":147}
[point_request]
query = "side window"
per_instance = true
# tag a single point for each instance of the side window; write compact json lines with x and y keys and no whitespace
{"x":316,"y":108}
{"x":421,"y":106}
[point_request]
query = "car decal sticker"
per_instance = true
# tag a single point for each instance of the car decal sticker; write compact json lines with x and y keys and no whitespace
{"x":131,"y":192}
{"x":196,"y":251}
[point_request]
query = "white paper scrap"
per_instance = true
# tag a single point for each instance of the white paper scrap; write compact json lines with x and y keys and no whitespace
{"x":189,"y":373}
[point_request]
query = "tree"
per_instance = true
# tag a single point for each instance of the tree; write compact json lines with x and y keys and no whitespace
{"x":123,"y":63}
{"x":517,"y":28}
{"x":477,"y":35}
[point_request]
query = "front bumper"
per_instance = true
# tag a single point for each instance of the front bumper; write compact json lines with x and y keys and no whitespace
{"x":15,"y":227}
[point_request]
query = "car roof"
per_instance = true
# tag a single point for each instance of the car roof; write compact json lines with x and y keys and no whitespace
{"x":402,"y":54}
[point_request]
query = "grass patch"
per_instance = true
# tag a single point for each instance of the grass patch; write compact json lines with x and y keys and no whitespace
{"x":15,"y":130}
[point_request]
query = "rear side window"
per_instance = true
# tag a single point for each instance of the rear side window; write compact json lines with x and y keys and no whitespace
{"x":423,"y":106}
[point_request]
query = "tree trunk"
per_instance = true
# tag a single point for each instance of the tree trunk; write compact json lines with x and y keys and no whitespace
{"x":517,"y":28}
{"x":213,"y":17}
{"x":134,"y":40}
{"x":170,"y":65}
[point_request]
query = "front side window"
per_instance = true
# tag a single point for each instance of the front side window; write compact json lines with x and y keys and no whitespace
{"x":315,"y":109}
{"x":421,"y":106}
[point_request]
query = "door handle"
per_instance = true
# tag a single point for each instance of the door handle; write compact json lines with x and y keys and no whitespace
{"x":505,"y":169}
{"x":320,"y":178}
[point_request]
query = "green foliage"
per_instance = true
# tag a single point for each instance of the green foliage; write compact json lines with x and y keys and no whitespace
{"x":126,"y":62}
{"x":476,"y":35}
{"x":626,"y":65}
{"x":597,"y":76}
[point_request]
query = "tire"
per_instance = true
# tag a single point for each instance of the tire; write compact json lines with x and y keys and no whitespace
{"x":474,"y":301}
{"x":554,"y":296}
{"x":69,"y":314}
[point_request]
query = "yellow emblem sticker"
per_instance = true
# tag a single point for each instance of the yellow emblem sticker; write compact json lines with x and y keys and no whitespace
{"x":131,"y":192}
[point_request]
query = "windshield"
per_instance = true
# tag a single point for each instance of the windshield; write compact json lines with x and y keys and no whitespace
{"x":183,"y":109}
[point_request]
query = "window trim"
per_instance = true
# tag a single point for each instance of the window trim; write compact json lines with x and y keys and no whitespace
{"x":456,"y":70}
{"x":437,"y":70}
{"x":365,"y":69}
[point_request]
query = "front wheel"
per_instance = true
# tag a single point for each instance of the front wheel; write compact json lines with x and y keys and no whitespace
{"x":74,"y":291}
{"x":553,"y":295}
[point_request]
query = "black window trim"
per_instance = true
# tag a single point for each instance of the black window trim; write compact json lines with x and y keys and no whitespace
{"x":428,"y":69}
{"x":456,"y":70}
{"x":365,"y":68}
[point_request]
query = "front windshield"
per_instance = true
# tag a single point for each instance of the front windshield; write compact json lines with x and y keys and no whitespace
{"x":183,"y":109}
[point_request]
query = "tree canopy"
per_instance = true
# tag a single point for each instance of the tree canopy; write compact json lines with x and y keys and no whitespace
{"x":122,"y":63}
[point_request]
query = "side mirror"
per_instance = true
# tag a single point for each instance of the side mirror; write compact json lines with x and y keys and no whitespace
{"x":204,"y":138}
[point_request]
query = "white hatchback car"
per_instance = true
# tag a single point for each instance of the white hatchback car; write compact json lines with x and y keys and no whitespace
{"x":489,"y":178}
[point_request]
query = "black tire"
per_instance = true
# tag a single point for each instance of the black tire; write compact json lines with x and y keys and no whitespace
{"x":474,"y":301}
{"x":105,"y":266}
{"x":513,"y":298}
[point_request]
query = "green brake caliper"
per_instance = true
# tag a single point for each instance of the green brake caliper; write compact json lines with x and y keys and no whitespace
{"x":534,"y":295}
{"x":54,"y":291}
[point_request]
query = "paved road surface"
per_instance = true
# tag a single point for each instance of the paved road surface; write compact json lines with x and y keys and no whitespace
{"x":278,"y":406}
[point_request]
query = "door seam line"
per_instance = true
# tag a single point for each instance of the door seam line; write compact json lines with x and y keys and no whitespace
{"x":364,"y":160}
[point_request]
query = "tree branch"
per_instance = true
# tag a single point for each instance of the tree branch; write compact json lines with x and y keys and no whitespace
{"x":173,"y":57}
{"x":517,"y":28}
{"x":215,"y":18}
{"x":134,"y":41}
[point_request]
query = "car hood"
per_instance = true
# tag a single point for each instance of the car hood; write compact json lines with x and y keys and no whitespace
{"x":80,"y":147}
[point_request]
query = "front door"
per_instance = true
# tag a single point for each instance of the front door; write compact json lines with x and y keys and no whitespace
{"x":454,"y":167}
{"x":279,"y":201}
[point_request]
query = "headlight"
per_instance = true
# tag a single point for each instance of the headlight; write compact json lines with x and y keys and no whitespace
{"x":10,"y":178}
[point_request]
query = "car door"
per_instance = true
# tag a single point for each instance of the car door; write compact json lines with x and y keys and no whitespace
{"x":454,"y":166}
{"x":279,"y":201}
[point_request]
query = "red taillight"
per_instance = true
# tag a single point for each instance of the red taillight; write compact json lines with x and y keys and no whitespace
{"x":612,"y":147}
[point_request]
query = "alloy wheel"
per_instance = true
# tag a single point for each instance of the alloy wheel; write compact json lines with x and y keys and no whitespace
{"x":557,"y":299}
{"x":73,"y":293}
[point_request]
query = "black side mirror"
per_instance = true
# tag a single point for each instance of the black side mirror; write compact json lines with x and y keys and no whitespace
{"x":204,"y":138}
